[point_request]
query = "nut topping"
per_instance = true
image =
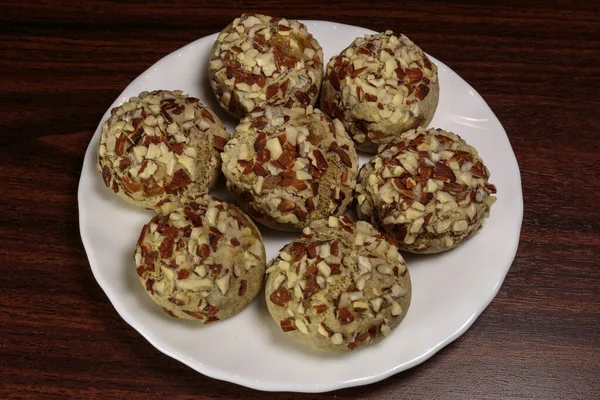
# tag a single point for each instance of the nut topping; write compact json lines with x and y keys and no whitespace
{"x":276,"y":170}
{"x":150,"y":148}
{"x":199,"y":256}
{"x":260,"y":60}
{"x":280,"y":297}
{"x":336,"y":291}
{"x":345,"y":316}
{"x":439,"y":198}
{"x":380,"y":86}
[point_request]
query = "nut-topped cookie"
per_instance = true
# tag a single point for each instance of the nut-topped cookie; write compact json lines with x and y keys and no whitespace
{"x":340,"y":286}
{"x":204,"y":261}
{"x":380,"y":86}
{"x":160,"y":145}
{"x":288,"y":167}
{"x":428,"y":189}
{"x":265,"y":61}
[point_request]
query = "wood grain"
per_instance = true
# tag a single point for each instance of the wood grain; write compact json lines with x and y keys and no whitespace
{"x":536,"y":63}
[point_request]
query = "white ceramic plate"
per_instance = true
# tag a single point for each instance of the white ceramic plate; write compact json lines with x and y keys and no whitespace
{"x":449,"y":290}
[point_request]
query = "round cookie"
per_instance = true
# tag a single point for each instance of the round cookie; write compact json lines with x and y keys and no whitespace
{"x":428,"y":189}
{"x":380,"y":86}
{"x":259,"y":60}
{"x":205,"y":260}
{"x":288,"y":167}
{"x":341,"y":285}
{"x":160,"y":145}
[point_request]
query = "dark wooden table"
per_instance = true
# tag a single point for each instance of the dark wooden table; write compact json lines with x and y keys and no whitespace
{"x":536,"y":63}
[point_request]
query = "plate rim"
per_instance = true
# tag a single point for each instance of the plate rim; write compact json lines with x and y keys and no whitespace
{"x":286,"y":386}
